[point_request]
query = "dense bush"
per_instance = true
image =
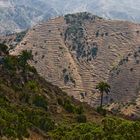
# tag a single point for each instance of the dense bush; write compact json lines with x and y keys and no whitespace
{"x":9,"y":63}
{"x":79,"y":109}
{"x":22,"y":102}
{"x":74,"y":18}
{"x":24,"y":57}
{"x":110,"y":129}
{"x":40,"y":101}
{"x":3,"y":49}
{"x":32,"y":86}
{"x":20,"y":36}
{"x":75,"y":33}
{"x":23,"y":109}
{"x":85,"y":131}
{"x":68,"y":106}
{"x":81,"y":118}
{"x":15,"y":121}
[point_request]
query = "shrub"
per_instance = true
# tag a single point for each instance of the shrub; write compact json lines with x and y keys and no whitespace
{"x":97,"y":33}
{"x":101,"y":111}
{"x":40,"y":101}
{"x":41,"y":120}
{"x":66,"y":78}
{"x":94,"y":51}
{"x":25,"y":97}
{"x":31,"y":69}
{"x":32,"y":86}
{"x":46,"y":124}
{"x":9,"y":63}
{"x":83,"y":131}
{"x":20,"y":36}
{"x":9,"y":132}
{"x":81,"y":118}
{"x":24,"y":57}
{"x":79,"y":110}
{"x":69,"y":107}
{"x":3,"y":49}
{"x":60,"y":101}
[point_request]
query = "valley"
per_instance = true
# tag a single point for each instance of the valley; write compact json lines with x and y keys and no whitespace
{"x":78,"y":51}
{"x":54,"y":75}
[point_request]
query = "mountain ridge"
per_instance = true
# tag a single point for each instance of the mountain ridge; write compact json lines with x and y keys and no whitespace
{"x":17,"y":16}
{"x":80,"y":50}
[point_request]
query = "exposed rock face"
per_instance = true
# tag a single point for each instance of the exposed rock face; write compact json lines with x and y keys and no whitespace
{"x":78,"y":51}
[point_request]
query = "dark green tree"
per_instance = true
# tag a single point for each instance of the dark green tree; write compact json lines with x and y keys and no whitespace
{"x":3,"y":49}
{"x":103,"y":87}
{"x":24,"y":57}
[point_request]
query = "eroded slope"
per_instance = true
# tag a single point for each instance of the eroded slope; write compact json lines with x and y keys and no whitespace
{"x":78,"y":51}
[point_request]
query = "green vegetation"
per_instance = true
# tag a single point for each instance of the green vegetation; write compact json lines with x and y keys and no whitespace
{"x":75,"y":29}
{"x":30,"y":104}
{"x":94,"y":51}
{"x":3,"y":49}
{"x":20,"y":36}
{"x":27,"y":101}
{"x":110,"y":129}
{"x":103,"y":87}
{"x":24,"y":57}
{"x":40,"y":101}
{"x":81,"y":118}
{"x":15,"y":120}
{"x":73,"y":18}
{"x":67,"y":77}
{"x":23,"y":105}
{"x":70,"y":107}
{"x":75,"y":33}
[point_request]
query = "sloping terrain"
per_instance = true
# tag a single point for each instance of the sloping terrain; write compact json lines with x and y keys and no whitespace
{"x":126,"y":73}
{"x":31,"y":106}
{"x":80,"y":50}
{"x":33,"y":109}
{"x":12,"y":40}
{"x":125,"y":84}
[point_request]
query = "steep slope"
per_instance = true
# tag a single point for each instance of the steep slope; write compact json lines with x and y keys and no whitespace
{"x":33,"y":109}
{"x":125,"y":84}
{"x":80,"y":50}
{"x":30,"y":106}
{"x":126,"y":73}
{"x":12,"y":40}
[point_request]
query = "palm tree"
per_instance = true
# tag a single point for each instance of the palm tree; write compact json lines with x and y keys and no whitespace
{"x":103,"y":87}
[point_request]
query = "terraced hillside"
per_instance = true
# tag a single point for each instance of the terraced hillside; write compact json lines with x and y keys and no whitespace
{"x":77,"y":51}
{"x":125,"y":82}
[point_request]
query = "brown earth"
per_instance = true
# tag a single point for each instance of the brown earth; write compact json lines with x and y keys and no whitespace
{"x":77,"y":60}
